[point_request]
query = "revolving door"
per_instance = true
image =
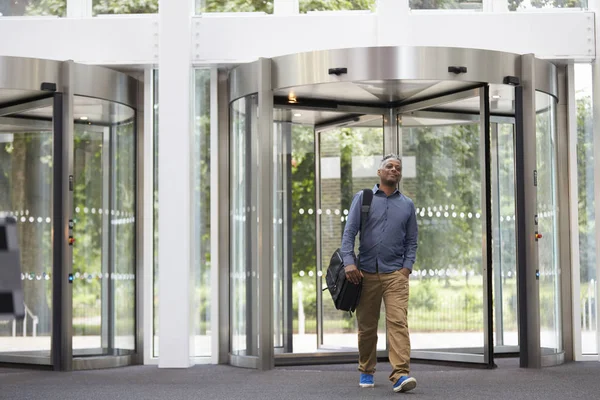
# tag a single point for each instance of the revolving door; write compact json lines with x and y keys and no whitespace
{"x":68,"y":157}
{"x":476,"y":131}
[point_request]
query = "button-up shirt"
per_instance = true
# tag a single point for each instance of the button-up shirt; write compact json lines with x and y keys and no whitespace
{"x":389,"y":237}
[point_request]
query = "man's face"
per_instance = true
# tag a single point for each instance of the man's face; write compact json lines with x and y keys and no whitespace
{"x":391,"y":172}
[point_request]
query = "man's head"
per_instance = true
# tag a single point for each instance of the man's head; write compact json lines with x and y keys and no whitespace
{"x":390,"y":170}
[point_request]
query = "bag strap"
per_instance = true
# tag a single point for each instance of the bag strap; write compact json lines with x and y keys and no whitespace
{"x":367,"y":199}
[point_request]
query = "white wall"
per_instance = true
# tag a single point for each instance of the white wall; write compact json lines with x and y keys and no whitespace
{"x":216,"y":38}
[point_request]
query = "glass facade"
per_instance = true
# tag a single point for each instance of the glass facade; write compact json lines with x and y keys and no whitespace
{"x":587,"y":231}
{"x":201,"y":199}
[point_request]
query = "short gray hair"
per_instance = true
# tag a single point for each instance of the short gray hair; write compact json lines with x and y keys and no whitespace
{"x":389,"y":157}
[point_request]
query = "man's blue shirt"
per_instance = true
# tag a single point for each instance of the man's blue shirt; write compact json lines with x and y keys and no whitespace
{"x":389,"y":237}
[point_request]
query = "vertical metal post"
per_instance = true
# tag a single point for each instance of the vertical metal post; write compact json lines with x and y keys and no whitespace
{"x":220,"y":241}
{"x":62,"y":294}
{"x":390,"y":132}
{"x":564,"y":233}
{"x":486,"y":223}
{"x":112,"y":234}
{"x":497,"y":236}
{"x":251,"y":242}
{"x":265,"y":215}
{"x":526,"y":214}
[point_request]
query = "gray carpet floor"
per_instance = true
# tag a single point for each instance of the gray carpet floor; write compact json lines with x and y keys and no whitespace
{"x":570,"y":381}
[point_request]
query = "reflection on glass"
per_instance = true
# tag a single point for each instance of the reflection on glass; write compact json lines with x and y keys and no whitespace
{"x":446,"y":4}
{"x":547,"y":208}
{"x":587,"y":230}
{"x":19,"y":8}
{"x":442,"y":174}
{"x":104,"y":215}
{"x":230,"y":6}
{"x":505,"y":278}
{"x":26,"y":184}
{"x":103,"y":7}
{"x":243,"y":264}
{"x":201,"y":214}
{"x":349,"y":161}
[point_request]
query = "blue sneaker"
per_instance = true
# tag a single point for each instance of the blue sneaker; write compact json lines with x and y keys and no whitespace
{"x":404,"y":384}
{"x":366,"y":381}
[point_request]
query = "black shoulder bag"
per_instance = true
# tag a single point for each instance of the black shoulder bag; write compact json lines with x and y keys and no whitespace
{"x":344,"y":293}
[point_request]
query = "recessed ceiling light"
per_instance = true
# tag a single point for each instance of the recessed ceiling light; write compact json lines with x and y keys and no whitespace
{"x":83,"y":118}
{"x":496,"y":96}
{"x":292,"y":98}
{"x":297,"y":115}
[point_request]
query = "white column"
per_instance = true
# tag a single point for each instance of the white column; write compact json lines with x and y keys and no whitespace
{"x":174,"y":184}
{"x":148,"y":223}
{"x":393,"y":23}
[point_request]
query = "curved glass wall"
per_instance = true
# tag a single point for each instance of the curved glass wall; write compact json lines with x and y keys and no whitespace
{"x":104,"y":202}
{"x":244,"y":309}
{"x":547,"y":205}
{"x":26,"y":192}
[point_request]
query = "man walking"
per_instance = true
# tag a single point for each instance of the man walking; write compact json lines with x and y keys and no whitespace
{"x":387,"y":252}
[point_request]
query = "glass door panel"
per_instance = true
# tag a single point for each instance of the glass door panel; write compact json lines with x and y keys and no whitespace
{"x":444,"y":174}
{"x":446,"y":300}
{"x":348,"y":161}
{"x":503,"y":220}
{"x":295,"y":253}
{"x":26,"y":193}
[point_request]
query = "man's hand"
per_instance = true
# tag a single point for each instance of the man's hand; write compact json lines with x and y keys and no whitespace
{"x":353,"y":274}
{"x":405,"y":272}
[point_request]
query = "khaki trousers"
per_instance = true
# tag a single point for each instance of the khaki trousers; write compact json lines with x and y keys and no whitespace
{"x":393,"y":288}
